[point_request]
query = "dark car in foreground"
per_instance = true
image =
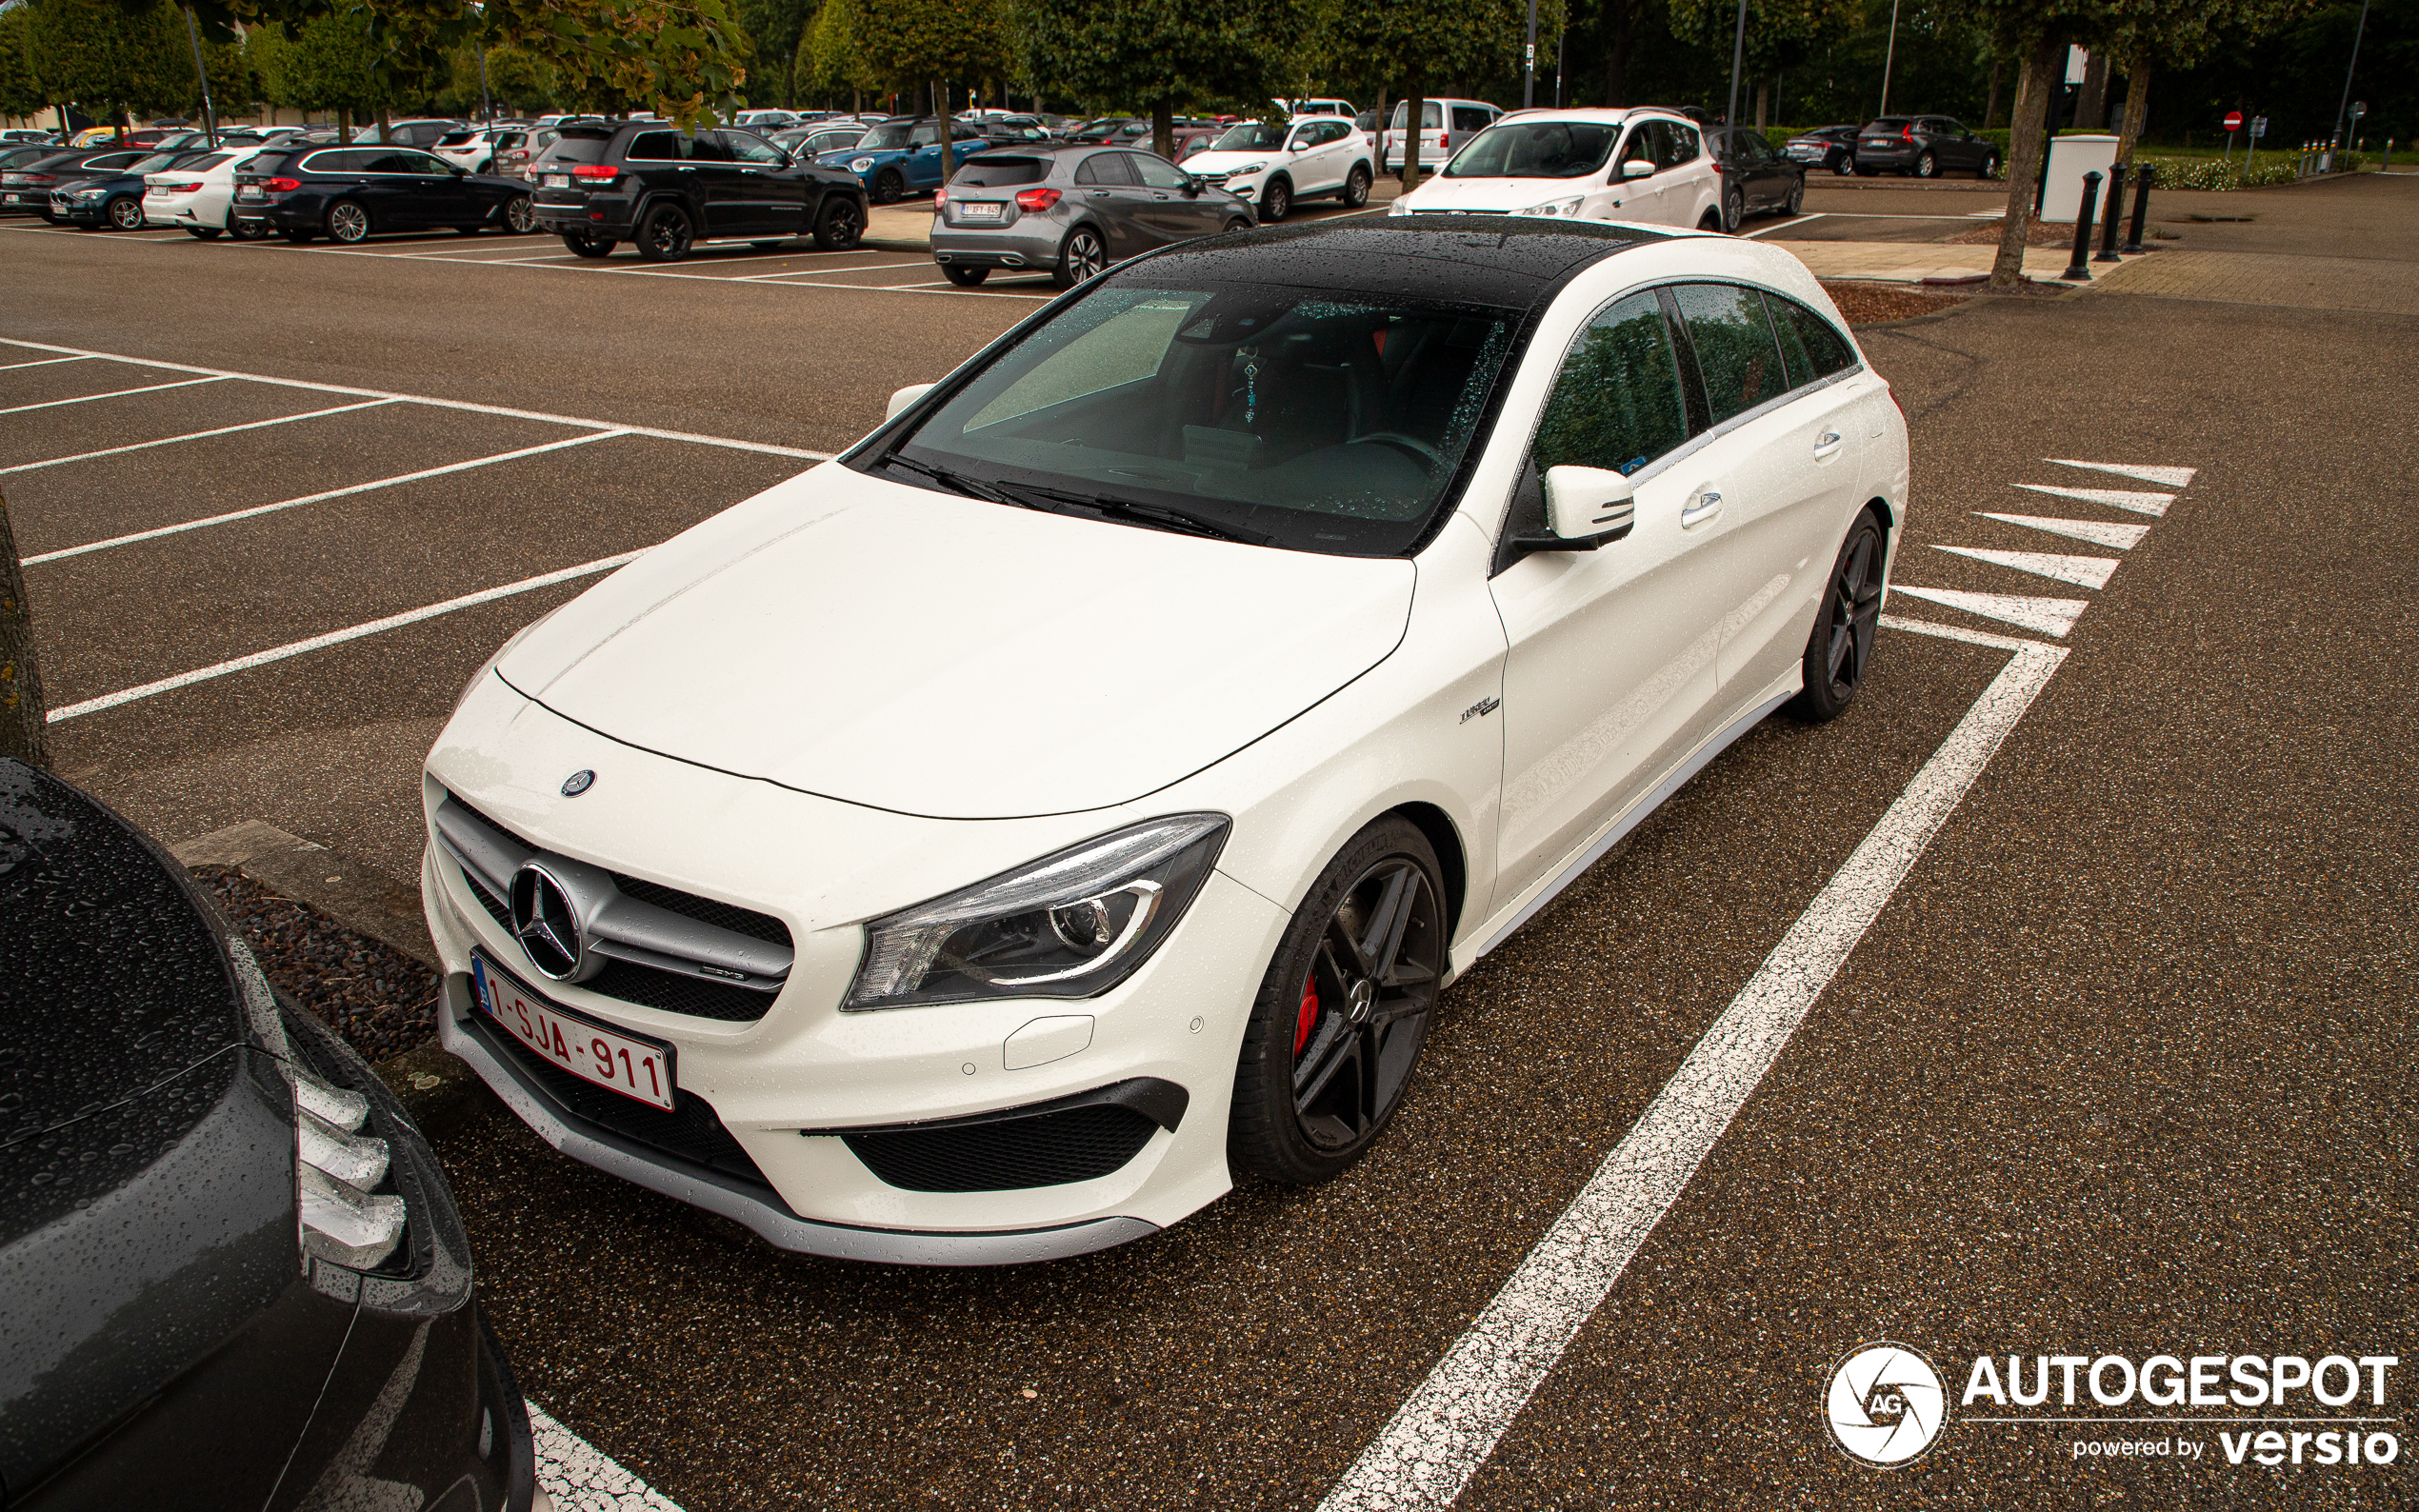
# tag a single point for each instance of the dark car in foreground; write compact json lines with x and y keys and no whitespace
{"x":1071,"y":211}
{"x":231,"y":1274}
{"x":666,"y":190}
{"x":114,"y":199}
{"x":1832,"y":148}
{"x":355,"y":192}
{"x":1755,"y":179}
{"x":26,"y":189}
{"x":1925,"y":146}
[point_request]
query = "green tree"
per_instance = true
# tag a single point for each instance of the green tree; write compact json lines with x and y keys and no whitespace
{"x":329,"y":62}
{"x":1419,"y":44}
{"x":1163,"y":53}
{"x":939,"y":41}
{"x":776,"y":28}
{"x":1781,"y":34}
{"x":22,"y":92}
{"x":2175,"y":34}
{"x":829,"y":62}
{"x":112,"y":59}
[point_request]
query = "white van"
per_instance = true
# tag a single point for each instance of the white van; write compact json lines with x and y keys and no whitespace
{"x":1444,"y":125}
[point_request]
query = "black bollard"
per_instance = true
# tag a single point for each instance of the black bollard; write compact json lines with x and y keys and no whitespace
{"x":2116,"y":216}
{"x":2141,"y":209}
{"x":2079,"y":268}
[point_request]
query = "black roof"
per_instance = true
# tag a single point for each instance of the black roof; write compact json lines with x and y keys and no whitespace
{"x":1512,"y":262}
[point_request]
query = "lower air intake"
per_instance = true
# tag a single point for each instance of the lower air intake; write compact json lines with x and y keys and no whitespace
{"x":1072,"y":1139}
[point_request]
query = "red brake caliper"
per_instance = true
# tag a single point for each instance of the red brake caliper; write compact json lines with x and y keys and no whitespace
{"x":1307,"y":1018}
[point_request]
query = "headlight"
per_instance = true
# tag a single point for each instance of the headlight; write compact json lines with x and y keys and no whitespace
{"x":1247,"y":170}
{"x":1569,"y":207}
{"x":1398,"y":208}
{"x":860,"y":165}
{"x":1068,"y":925}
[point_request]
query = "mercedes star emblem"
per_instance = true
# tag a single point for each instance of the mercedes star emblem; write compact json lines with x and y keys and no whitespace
{"x":578,"y":783}
{"x":543,"y":923}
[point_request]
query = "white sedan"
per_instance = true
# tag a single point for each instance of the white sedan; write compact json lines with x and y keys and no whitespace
{"x":991,"y":844}
{"x":197,"y":194}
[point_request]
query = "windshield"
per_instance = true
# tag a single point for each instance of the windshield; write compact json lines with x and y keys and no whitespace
{"x":1536,"y":149}
{"x":1306,"y":419}
{"x":1251,"y":136}
{"x":889,"y":137}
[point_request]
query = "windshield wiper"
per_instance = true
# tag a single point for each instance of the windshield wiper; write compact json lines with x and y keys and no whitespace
{"x":1163,"y":516}
{"x":955,"y":482}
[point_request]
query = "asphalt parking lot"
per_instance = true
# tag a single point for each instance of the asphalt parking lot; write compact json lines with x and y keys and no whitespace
{"x":2113,"y":1060}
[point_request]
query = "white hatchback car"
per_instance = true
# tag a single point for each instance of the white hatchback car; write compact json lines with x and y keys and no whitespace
{"x":1645,"y":167}
{"x":196,"y":195}
{"x":1314,"y":157}
{"x":989,"y":844}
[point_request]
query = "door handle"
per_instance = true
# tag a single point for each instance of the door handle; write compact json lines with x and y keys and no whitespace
{"x":1702,"y":508}
{"x":686,"y":168}
{"x":1826,"y":446}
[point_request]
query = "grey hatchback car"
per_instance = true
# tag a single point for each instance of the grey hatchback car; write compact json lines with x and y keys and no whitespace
{"x":1071,"y":211}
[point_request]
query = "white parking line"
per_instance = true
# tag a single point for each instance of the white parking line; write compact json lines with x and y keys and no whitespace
{"x":1438,"y":1441}
{"x":463,"y":404}
{"x":317,"y":642}
{"x":121,"y":393}
{"x":581,"y":1478}
{"x":792,"y":273}
{"x":1793,"y":221}
{"x":41,"y":362}
{"x":318,"y":498}
{"x":191,"y":435}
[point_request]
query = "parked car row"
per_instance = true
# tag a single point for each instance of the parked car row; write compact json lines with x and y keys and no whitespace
{"x":1923,"y":145}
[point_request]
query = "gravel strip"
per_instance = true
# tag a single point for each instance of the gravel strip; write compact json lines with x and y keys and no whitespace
{"x":381,"y":1000}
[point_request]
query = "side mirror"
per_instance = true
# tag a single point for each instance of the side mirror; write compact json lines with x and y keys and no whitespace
{"x":1587,"y":507}
{"x":1193,"y":184}
{"x":1637,"y":167}
{"x":909,"y":395}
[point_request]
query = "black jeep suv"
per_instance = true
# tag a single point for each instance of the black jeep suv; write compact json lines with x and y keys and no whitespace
{"x":666,"y":189}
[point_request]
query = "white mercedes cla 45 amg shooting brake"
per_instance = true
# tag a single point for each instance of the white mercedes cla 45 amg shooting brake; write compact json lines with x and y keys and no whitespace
{"x":989,"y":844}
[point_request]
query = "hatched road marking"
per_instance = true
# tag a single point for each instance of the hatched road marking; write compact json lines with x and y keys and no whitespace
{"x":118,"y":393}
{"x":192,"y":435}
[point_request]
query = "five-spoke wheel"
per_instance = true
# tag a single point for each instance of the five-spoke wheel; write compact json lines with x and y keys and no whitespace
{"x":1344,"y":1011}
{"x":1841,"y":649}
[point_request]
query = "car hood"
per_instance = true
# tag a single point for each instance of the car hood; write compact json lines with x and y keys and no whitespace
{"x":1228,"y":162}
{"x":1496,"y":193}
{"x":929,"y":654}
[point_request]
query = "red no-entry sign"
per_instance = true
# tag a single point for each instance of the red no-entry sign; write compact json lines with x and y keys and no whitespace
{"x":2234,"y":119}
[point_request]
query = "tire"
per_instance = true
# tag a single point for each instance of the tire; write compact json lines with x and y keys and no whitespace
{"x":1357,"y":187}
{"x":1237,"y":225}
{"x":1841,"y":164}
{"x":1344,"y":1011}
{"x":889,"y":188}
{"x":840,"y":226}
{"x":299,"y":237}
{"x":347,"y":222}
{"x":584,"y":244}
{"x":1796,"y":200}
{"x":124,"y":213}
{"x":242,"y":231}
{"x":1082,"y":257}
{"x":1276,"y":201}
{"x":666,"y":235}
{"x":203,"y":233}
{"x":520,"y":215}
{"x":964,"y":277}
{"x":1710,"y":221}
{"x":1733,"y":210}
{"x":1926,"y":166}
{"x":1840,"y":651}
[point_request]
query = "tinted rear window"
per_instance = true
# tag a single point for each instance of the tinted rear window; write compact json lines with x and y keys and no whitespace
{"x":579,"y":144}
{"x":1001,"y":173}
{"x":1889,"y":122}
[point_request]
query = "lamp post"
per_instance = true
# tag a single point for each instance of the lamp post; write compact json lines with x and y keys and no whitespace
{"x":1738,"y":56}
{"x":210,"y":117}
{"x":2356,"y":35}
{"x":1889,"y":56}
{"x":1528,"y":62}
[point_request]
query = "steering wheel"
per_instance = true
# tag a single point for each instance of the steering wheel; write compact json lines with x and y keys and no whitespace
{"x":1419,"y":452}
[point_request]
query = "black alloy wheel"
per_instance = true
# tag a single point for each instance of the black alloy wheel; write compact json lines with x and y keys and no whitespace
{"x":666,"y":235}
{"x":247,"y":231}
{"x":347,"y":222}
{"x":1276,"y":202}
{"x":587,"y":244}
{"x":964,"y":277}
{"x":1340,"y":1019}
{"x":840,"y":226}
{"x":1796,"y":200}
{"x":1733,"y":209}
{"x":126,"y":213}
{"x":1841,"y":649}
{"x":520,"y":215}
{"x":889,"y":188}
{"x":206,"y":233}
{"x":1356,"y":188}
{"x":1926,"y":166}
{"x":1083,"y":257}
{"x":1841,"y":164}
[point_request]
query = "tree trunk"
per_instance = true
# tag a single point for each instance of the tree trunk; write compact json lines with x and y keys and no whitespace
{"x":2036,"y":83}
{"x":1619,"y":27}
{"x":2137,"y":104}
{"x":24,"y":730}
{"x":2092,"y":104}
{"x":344,"y":127}
{"x":1763,"y":102}
{"x":385,"y":124}
{"x":1991,"y":106}
{"x":1163,"y":128}
{"x":1413,"y":104}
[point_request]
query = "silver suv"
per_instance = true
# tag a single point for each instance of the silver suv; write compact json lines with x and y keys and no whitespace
{"x":1071,"y":211}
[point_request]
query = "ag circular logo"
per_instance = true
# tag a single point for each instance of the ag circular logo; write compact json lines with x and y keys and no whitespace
{"x":1886,"y":1404}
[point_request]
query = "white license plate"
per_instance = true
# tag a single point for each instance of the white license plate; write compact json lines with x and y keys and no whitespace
{"x":979,"y":211}
{"x":634,"y":1067}
{"x":558,"y":180}
{"x":250,"y":192}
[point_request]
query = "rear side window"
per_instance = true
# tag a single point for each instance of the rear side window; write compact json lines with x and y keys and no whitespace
{"x":339,"y":160}
{"x":658,"y":146}
{"x":1617,"y":403}
{"x":1676,"y":143}
{"x":1469,"y":118}
{"x":1105,"y":168}
{"x":1814,"y":346}
{"x":1737,"y":354}
{"x":1001,"y":172}
{"x":748,"y":148}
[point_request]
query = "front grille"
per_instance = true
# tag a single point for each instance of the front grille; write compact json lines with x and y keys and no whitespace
{"x":650,"y":987}
{"x":691,"y":1131}
{"x":1068,"y":1139}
